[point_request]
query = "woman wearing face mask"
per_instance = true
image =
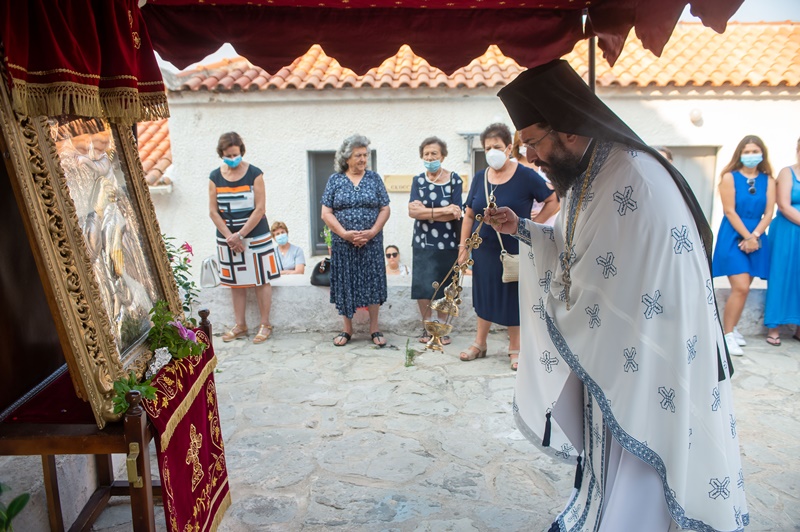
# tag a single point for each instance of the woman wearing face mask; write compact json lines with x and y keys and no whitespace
{"x":516,"y":187}
{"x":747,"y":191}
{"x":237,"y":206}
{"x":292,"y":259}
{"x":435,"y":206}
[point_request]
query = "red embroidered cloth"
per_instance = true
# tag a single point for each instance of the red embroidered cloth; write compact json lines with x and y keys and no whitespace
{"x":191,"y":453}
{"x":90,"y":58}
{"x":360,"y":34}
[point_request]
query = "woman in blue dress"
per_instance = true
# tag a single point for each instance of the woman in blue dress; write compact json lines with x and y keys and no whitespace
{"x":783,"y":290}
{"x":747,"y":190}
{"x":355,"y":206}
{"x":435,"y":206}
{"x":515,"y":186}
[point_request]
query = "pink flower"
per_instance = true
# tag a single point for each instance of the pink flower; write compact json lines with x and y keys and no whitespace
{"x":186,"y":334}
{"x":187,"y":248}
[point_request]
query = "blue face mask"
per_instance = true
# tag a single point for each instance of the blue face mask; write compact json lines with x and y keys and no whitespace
{"x":751,"y":160}
{"x":233,"y":162}
{"x":282,"y":239}
{"x":432,"y":166}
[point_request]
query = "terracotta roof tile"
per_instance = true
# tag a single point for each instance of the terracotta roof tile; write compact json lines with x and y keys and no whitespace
{"x":155,"y":150}
{"x":747,"y":54}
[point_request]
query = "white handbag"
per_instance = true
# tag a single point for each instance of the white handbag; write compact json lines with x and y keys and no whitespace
{"x":209,"y":272}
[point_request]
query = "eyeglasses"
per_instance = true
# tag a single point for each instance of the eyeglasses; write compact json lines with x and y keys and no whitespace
{"x":532,"y":145}
{"x":751,"y":182}
{"x":392,"y":255}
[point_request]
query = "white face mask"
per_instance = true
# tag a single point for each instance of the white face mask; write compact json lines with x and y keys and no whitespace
{"x":496,"y":158}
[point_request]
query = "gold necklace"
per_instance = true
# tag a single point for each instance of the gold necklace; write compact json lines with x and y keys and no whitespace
{"x":569,"y":230}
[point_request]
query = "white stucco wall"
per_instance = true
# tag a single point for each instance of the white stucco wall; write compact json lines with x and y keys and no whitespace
{"x":280,"y":127}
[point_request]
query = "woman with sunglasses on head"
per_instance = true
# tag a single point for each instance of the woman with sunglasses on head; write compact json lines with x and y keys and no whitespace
{"x":393,"y":264}
{"x":747,"y":191}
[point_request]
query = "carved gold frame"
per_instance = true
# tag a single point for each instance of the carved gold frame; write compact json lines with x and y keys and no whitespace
{"x":58,"y":244}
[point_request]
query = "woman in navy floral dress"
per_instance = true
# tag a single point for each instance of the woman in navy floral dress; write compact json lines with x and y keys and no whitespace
{"x":355,"y":206}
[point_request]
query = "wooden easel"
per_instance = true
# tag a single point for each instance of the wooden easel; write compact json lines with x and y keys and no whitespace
{"x":131,"y":437}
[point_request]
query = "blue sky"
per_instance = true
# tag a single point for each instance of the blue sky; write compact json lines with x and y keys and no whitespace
{"x":763,"y":11}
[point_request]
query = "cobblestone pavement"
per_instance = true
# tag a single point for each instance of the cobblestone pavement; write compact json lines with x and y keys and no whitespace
{"x":320,"y":437}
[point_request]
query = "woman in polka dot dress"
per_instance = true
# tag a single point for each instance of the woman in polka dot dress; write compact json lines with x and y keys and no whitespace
{"x":435,"y":205}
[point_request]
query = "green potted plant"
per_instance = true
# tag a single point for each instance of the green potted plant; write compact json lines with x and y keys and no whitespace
{"x":8,"y":513}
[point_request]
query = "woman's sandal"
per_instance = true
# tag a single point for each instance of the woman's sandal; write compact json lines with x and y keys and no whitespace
{"x":774,"y":340}
{"x":473,"y":351}
{"x":425,"y":337}
{"x":513,"y":355}
{"x":344,"y":335}
{"x":445,"y":340}
{"x":264,"y":332}
{"x":377,"y":335}
{"x":236,"y":332}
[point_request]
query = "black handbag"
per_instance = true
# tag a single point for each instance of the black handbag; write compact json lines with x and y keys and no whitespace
{"x":321,"y":274}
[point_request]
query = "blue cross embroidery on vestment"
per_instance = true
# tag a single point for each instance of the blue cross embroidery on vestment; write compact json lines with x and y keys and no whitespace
{"x":608,"y":264}
{"x":715,"y":395}
{"x":625,"y":201}
{"x":733,"y":426}
{"x":690,"y":347}
{"x":565,"y":450}
{"x":546,"y":229}
{"x":682,"y":241}
{"x":710,"y":295}
{"x":562,"y":296}
{"x":690,"y":438}
{"x":548,"y":361}
{"x":740,"y":482}
{"x":719,"y":488}
{"x":523,"y":234}
{"x":544,"y":282}
{"x":630,"y":362}
{"x":594,"y":316}
{"x":540,"y":309}
{"x":575,"y":513}
{"x":653,"y":306}
{"x":737,"y":515}
{"x":667,"y":398}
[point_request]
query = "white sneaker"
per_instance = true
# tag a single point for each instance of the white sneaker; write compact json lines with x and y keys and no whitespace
{"x":733,"y":347}
{"x":738,"y":337}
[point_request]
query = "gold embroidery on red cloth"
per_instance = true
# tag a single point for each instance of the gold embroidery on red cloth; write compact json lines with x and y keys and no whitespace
{"x":193,"y":455}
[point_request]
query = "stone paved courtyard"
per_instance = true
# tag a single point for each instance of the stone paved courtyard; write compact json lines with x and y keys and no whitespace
{"x":320,"y":438}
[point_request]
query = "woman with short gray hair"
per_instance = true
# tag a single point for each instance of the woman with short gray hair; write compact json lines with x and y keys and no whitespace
{"x":355,"y":206}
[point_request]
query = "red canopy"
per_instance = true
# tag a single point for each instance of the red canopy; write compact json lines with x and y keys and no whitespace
{"x":362,"y":33}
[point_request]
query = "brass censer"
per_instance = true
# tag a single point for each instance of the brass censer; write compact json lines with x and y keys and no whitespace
{"x":449,"y":304}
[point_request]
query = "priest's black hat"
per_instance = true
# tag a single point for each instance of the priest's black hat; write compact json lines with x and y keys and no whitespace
{"x":556,"y":94}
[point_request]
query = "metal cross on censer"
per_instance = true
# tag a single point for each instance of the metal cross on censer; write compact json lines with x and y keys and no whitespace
{"x":452,"y":292}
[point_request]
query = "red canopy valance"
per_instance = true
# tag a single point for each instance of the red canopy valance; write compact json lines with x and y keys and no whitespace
{"x":449,"y":34}
{"x":81,"y":57}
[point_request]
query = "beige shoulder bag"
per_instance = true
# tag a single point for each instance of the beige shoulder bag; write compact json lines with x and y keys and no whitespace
{"x":510,"y":262}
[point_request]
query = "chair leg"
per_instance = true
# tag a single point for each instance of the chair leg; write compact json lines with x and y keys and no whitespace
{"x":51,"y":490}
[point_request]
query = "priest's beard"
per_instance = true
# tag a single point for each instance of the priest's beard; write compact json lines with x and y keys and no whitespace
{"x":562,"y":168}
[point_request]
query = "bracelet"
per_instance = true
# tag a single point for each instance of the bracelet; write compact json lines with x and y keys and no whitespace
{"x":432,"y":215}
{"x":462,"y":245}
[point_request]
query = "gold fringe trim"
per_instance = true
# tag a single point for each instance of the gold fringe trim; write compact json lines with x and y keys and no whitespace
{"x":223,"y":507}
{"x":186,"y":404}
{"x":123,"y":105}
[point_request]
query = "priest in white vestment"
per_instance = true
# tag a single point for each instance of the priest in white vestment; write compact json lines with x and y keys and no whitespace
{"x":624,"y":368}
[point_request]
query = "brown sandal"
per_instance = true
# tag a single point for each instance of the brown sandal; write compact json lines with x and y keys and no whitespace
{"x":236,"y":332}
{"x":264,"y":332}
{"x":513,"y":355}
{"x":473,"y":351}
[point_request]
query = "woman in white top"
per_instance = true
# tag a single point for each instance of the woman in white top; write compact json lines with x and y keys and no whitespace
{"x":393,"y":265}
{"x":291,"y":257}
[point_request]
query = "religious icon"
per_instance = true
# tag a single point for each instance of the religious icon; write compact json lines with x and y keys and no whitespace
{"x":114,"y":240}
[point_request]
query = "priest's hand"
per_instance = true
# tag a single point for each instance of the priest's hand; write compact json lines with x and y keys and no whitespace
{"x":502,"y":219}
